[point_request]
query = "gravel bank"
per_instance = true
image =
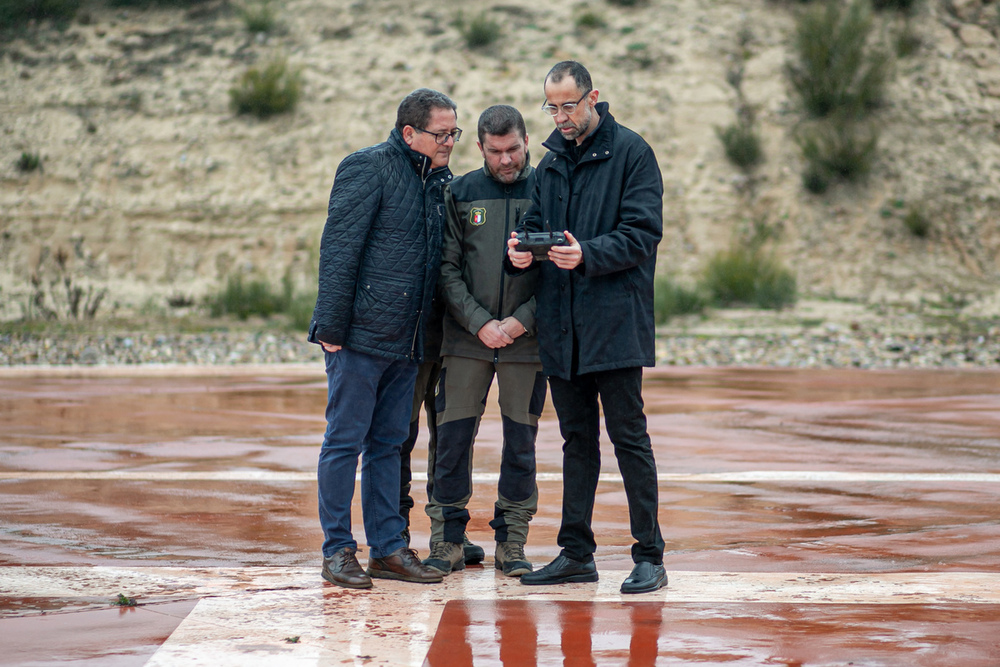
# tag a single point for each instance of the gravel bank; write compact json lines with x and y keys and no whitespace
{"x":846,"y":349}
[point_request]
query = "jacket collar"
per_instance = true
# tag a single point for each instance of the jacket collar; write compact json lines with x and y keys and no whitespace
{"x":523,"y":174}
{"x":420,"y":162}
{"x":601,"y":137}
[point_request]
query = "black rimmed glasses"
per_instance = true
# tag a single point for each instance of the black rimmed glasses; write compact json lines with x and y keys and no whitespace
{"x":441,"y":138}
{"x":568,"y":108}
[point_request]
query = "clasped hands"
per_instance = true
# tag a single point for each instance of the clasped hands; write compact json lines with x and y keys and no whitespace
{"x":500,"y":333}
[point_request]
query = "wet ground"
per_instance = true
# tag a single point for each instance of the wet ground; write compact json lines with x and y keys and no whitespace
{"x":811,"y":518}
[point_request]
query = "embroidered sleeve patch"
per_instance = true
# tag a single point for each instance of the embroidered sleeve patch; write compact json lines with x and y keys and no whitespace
{"x":477,"y":217}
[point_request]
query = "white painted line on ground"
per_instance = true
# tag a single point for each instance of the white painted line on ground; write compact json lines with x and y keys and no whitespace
{"x":740,"y":477}
{"x":160,"y":584}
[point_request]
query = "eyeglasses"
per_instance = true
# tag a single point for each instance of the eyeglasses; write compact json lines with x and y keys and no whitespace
{"x":441,"y":138}
{"x":568,"y":108}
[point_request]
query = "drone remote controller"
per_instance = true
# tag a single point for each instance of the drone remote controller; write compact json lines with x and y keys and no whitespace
{"x":539,"y":243}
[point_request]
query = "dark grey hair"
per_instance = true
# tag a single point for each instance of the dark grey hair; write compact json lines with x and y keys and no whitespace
{"x":575,"y":70}
{"x":415,"y":109}
{"x":500,"y":120}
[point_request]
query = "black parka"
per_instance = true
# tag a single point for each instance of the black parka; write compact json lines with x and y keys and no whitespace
{"x":381,"y":251}
{"x":481,"y":214}
{"x":611,"y":200}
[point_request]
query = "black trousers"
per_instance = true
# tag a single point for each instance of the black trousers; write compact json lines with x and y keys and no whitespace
{"x":423,"y":395}
{"x":576,"y":404}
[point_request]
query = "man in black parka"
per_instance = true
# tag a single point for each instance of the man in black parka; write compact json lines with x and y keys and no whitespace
{"x":600,"y":184}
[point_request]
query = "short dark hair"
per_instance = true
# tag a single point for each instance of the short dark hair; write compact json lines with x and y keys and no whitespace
{"x":415,"y":109}
{"x":579,"y":73}
{"x":500,"y":120}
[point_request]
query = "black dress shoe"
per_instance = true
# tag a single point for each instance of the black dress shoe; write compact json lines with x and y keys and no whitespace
{"x":562,"y":570}
{"x":645,"y":578}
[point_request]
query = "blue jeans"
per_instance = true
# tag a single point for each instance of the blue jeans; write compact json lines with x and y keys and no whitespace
{"x":368,"y":414}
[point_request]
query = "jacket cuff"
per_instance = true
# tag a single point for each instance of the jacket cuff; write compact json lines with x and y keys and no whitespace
{"x":478,"y":320}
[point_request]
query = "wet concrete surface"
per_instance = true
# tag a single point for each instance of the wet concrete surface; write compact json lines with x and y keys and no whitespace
{"x":770,"y":480}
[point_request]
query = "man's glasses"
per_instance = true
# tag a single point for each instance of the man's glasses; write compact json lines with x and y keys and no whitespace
{"x":568,"y":108}
{"x":441,"y":138}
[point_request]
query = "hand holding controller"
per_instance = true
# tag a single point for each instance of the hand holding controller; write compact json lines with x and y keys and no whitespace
{"x":538,"y":243}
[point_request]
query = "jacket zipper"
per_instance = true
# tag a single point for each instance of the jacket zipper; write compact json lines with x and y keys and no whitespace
{"x":506,"y":232}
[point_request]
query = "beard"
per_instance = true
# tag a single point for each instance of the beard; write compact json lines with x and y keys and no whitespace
{"x":575,"y":129}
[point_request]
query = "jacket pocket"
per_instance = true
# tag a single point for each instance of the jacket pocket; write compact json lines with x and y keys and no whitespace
{"x":383,"y":308}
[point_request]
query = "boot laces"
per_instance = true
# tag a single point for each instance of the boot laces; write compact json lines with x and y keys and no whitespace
{"x":513,"y":551}
{"x":441,"y":551}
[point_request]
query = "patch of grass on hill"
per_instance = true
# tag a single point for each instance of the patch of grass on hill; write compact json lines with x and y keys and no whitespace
{"x":671,"y":299}
{"x":747,"y":275}
{"x":835,"y":68}
{"x":14,"y":13}
{"x":480,"y":31}
{"x":269,"y":91}
{"x":742,"y":144}
{"x":836,"y":149}
{"x":257,"y":297}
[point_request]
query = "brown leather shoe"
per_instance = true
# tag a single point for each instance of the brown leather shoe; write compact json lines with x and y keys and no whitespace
{"x":343,"y":569}
{"x":404,"y":565}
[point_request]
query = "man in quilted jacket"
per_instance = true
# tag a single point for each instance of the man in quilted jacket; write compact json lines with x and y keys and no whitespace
{"x":379,"y":262}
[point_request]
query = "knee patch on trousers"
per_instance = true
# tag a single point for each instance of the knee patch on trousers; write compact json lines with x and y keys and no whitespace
{"x":452,"y":481}
{"x":517,"y":469}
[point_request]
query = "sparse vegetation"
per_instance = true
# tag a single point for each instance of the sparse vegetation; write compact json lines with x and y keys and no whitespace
{"x":638,"y":53}
{"x":917,"y":223}
{"x":626,"y":3}
{"x":257,"y":298}
{"x":29,"y":162}
{"x":671,"y":299}
{"x":742,"y":144}
{"x":56,"y":290}
{"x":480,"y":32}
{"x":18,"y":12}
{"x":899,"y":5}
{"x":907,"y":40}
{"x":264,"y":93}
{"x":258,"y":16}
{"x":836,"y":70}
{"x":156,"y":3}
{"x":125,"y":601}
{"x":245,"y":298}
{"x":836,"y":149}
{"x":590,"y":20}
{"x":747,"y":274}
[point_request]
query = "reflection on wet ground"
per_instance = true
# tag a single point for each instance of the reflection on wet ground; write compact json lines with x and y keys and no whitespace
{"x":763,"y":472}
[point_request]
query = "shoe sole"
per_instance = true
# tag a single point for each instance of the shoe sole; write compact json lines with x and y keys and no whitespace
{"x":344,"y":583}
{"x":380,"y":574}
{"x":474,"y":559}
{"x":648,"y":589}
{"x":515,"y":572}
{"x":572,"y":579}
{"x":460,"y":565}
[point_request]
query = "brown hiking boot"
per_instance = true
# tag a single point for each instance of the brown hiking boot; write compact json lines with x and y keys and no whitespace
{"x":446,"y":556}
{"x":511,"y":559}
{"x":403,"y":564}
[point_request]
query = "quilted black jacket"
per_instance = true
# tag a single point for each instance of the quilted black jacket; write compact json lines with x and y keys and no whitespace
{"x":381,"y":251}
